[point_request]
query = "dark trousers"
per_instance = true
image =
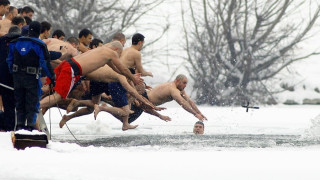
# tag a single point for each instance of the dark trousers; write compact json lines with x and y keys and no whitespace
{"x":8,"y":116}
{"x":27,"y":94}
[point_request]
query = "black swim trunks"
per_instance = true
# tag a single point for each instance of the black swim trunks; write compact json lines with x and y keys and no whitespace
{"x":137,"y":110}
{"x":97,"y":88}
{"x":132,"y":70}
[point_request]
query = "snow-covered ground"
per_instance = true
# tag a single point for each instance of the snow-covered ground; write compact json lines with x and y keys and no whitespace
{"x":217,"y":157}
{"x":274,"y":142}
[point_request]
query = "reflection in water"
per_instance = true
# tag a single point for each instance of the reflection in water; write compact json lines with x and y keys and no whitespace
{"x":191,"y":141}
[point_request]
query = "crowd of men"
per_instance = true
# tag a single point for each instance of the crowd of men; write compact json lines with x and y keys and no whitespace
{"x":39,"y":70}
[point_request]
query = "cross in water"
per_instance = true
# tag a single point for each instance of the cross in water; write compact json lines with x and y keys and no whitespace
{"x":247,"y":107}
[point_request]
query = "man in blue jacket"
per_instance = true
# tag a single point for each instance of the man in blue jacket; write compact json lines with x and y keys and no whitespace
{"x":28,"y":58}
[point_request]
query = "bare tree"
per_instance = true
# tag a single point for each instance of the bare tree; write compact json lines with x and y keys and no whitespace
{"x":235,"y":46}
{"x":102,"y":17}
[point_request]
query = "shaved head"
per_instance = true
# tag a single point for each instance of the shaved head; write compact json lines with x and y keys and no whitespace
{"x":180,"y":77}
{"x":116,"y":46}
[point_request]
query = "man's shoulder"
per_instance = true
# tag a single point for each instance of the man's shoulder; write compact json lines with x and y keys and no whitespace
{"x":131,"y":50}
{"x":105,"y":51}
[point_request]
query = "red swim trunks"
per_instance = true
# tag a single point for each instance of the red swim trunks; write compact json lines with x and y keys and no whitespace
{"x":67,"y":74}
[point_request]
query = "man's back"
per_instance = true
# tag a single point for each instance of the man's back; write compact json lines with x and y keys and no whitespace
{"x":54,"y":44}
{"x":95,"y":58}
{"x":162,"y":93}
{"x":128,"y":57}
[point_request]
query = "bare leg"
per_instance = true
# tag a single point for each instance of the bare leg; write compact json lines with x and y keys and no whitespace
{"x":125,"y":122}
{"x":80,"y":112}
{"x":50,"y":100}
{"x":73,"y":104}
{"x":37,"y":126}
{"x":84,"y":111}
{"x":117,"y":112}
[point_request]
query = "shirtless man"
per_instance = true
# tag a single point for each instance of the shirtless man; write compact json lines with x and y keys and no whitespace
{"x":164,"y":93}
{"x":5,"y":24}
{"x":45,"y":30}
{"x":175,"y":91}
{"x":58,"y":34}
{"x":92,"y":64}
{"x":18,"y":21}
{"x":54,"y":44}
{"x":136,"y":107}
{"x":131,"y":57}
{"x":85,"y":38}
{"x":4,"y":7}
{"x":27,"y":11}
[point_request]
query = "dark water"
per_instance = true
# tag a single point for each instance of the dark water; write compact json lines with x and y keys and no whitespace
{"x":195,"y":142}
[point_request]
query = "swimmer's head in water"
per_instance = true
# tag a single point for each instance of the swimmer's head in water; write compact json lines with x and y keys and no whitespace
{"x":198,"y":128}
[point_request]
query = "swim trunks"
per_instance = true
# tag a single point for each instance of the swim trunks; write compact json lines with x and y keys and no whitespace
{"x":137,"y":110}
{"x":67,"y":74}
{"x":132,"y":70}
{"x":97,"y":88}
{"x":118,"y":94}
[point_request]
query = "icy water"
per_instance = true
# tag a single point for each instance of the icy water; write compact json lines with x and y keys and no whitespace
{"x":190,"y":141}
{"x":269,"y":127}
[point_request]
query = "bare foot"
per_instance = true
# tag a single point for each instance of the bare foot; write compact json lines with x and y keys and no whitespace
{"x":130,"y":111}
{"x":63,"y":121}
{"x":96,"y":111}
{"x":72,"y":105}
{"x":126,"y":127}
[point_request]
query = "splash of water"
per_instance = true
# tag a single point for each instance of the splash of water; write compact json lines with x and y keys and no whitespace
{"x":313,"y":133}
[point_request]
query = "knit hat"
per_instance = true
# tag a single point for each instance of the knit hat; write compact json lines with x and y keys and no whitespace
{"x":34,"y":29}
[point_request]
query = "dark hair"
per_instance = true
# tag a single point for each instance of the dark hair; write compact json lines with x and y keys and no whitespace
{"x":200,"y":122}
{"x":45,"y":26}
{"x":4,"y":2}
{"x":95,"y":42}
{"x":85,"y":33}
{"x":19,"y":10}
{"x":26,"y":9}
{"x":14,"y":29}
{"x":17,"y":20}
{"x":28,"y":19}
{"x":73,"y":40}
{"x":118,"y":36}
{"x":11,"y":8}
{"x":136,"y":38}
{"x":58,"y":33}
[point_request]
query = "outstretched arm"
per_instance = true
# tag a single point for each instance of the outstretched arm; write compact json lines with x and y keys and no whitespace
{"x":192,"y":104}
{"x":139,"y":67}
{"x":123,"y":70}
{"x":176,"y":95}
{"x":131,"y":90}
{"x":155,"y":113}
